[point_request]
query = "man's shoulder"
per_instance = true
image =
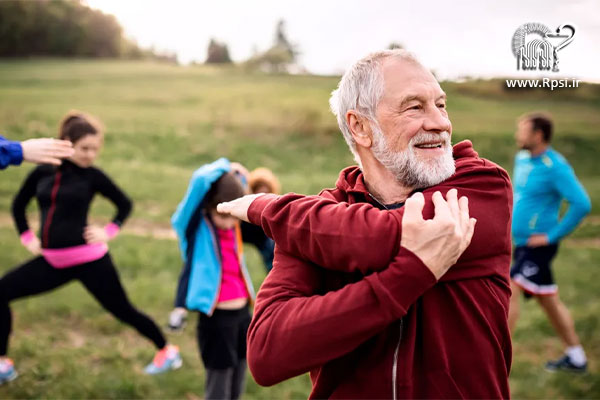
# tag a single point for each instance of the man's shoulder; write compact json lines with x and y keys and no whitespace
{"x":349,"y":187}
{"x":554,"y":159}
{"x":335,"y":194}
{"x":478,"y":169}
{"x":522,"y":156}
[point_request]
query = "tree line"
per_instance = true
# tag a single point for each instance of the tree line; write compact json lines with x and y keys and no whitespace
{"x":62,"y":28}
{"x":69,"y":28}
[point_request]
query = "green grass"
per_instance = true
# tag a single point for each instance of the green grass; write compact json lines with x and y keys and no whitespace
{"x":163,"y":121}
{"x":534,"y":340}
{"x":67,"y":346}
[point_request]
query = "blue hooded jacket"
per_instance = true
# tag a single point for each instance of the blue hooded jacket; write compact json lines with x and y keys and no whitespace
{"x":201,"y":277}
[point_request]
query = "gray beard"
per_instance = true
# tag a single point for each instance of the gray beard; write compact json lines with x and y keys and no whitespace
{"x":406,"y":166}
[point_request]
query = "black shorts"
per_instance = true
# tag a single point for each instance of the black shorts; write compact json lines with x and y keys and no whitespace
{"x":222,"y":337}
{"x":531,"y":270}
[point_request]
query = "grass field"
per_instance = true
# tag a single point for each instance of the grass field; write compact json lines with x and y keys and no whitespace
{"x":163,"y":121}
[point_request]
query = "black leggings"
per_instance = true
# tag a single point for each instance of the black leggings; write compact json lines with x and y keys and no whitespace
{"x":99,"y":277}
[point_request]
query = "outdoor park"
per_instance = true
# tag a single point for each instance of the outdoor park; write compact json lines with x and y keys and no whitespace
{"x":163,"y":121}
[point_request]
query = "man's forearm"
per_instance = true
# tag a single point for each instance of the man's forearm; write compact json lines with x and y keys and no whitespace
{"x":295,"y":330}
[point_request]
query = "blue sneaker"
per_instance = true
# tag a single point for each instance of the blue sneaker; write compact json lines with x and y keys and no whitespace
{"x":565,"y":364}
{"x":7,"y":371}
{"x":165,"y":360}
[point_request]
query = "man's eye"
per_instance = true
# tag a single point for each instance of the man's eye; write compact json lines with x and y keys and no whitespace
{"x":442,"y":105}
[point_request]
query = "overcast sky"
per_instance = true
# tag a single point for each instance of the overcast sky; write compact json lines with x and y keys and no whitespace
{"x":454,"y":38}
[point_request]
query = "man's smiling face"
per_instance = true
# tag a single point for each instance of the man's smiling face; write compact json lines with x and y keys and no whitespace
{"x":412,"y":137}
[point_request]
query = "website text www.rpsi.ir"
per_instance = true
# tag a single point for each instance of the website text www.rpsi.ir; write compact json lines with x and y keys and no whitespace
{"x":546,"y":83}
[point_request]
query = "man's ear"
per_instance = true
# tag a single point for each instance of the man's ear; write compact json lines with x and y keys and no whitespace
{"x":360,"y":128}
{"x":539,"y":136}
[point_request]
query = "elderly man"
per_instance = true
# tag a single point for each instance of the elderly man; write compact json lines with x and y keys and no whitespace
{"x":543,"y":179}
{"x":360,"y":293}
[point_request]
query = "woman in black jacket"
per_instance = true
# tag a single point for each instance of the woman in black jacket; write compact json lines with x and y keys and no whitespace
{"x":67,"y":247}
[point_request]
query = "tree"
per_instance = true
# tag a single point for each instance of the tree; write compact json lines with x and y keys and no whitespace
{"x":61,"y":28}
{"x":283,"y":44}
{"x":217,"y":53}
{"x":279,"y":57}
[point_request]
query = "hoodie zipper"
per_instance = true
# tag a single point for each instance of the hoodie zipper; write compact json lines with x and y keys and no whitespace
{"x":395,"y":365}
{"x":53,"y":195}
{"x":397,"y":349}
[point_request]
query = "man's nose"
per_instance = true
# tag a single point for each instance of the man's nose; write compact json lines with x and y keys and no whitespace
{"x":436,"y":121}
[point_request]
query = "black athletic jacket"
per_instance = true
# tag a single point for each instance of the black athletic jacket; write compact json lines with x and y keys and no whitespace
{"x":64,"y":195}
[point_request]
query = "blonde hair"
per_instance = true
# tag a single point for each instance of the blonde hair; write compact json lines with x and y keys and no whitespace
{"x":264,"y":176}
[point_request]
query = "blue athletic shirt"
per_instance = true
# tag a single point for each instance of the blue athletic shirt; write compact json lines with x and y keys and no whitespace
{"x":541,"y":183}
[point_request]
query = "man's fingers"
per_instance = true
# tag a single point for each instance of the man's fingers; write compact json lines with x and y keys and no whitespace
{"x":50,"y":160}
{"x":463,"y":207}
{"x":63,"y":143}
{"x":471,"y":229}
{"x":452,"y":200}
{"x":463,"y":204}
{"x":61,"y":148}
{"x":441,"y":206}
{"x":238,"y":207}
{"x":413,"y":208}
{"x":63,"y":152}
{"x":46,"y":151}
{"x":224,"y":208}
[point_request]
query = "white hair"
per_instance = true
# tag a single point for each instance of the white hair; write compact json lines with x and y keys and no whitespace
{"x":361,"y":89}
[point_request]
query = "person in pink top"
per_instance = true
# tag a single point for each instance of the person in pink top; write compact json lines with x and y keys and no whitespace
{"x":214,"y":280}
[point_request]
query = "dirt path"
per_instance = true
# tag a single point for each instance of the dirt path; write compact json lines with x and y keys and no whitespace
{"x":134,"y":226}
{"x":143,"y":228}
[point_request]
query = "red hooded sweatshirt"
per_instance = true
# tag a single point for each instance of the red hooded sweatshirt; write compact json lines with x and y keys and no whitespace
{"x":365,"y":316}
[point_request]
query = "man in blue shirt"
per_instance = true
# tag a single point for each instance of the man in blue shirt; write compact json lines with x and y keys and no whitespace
{"x":542,"y":180}
{"x":40,"y":151}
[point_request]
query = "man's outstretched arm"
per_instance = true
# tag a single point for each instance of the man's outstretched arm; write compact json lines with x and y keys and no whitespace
{"x":338,"y":236}
{"x":360,"y":237}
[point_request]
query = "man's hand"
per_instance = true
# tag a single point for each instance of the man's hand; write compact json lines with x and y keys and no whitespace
{"x":440,"y":241}
{"x":46,"y":151}
{"x":537,"y":240}
{"x":95,"y":234}
{"x":239,"y":207}
{"x":34,"y":246}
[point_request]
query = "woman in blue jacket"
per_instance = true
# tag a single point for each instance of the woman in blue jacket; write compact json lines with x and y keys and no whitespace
{"x":215,"y":281}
